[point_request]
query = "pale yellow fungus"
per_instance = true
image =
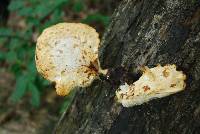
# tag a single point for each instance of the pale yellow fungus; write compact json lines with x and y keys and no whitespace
{"x":155,"y":82}
{"x":67,"y":54}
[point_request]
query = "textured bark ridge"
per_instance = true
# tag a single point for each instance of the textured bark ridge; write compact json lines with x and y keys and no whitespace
{"x":143,"y":32}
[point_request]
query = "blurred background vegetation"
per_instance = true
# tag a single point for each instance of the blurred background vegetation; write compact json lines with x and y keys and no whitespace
{"x":28,"y":103}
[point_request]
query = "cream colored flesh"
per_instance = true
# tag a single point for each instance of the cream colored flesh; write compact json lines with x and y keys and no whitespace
{"x":66,"y":54}
{"x":156,"y":82}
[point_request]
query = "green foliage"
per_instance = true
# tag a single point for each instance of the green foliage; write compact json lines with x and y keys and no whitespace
{"x":96,"y":17}
{"x":35,"y":99}
{"x":67,"y":101}
{"x":20,"y":89}
{"x":78,"y":6}
{"x":19,"y":45}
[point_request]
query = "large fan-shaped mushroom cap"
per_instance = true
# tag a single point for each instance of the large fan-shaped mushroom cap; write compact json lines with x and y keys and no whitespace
{"x":67,"y":53}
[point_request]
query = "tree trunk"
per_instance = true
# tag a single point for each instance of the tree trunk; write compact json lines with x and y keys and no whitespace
{"x":143,"y":32}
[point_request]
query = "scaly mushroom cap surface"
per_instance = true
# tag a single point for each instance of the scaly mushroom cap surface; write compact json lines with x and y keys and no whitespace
{"x":67,"y":54}
{"x":156,"y":82}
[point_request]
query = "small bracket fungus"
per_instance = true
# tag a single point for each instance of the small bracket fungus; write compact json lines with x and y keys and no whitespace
{"x":67,"y":54}
{"x":154,"y":83}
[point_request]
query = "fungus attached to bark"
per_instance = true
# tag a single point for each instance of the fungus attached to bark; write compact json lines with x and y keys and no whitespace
{"x":156,"y":82}
{"x":67,"y":54}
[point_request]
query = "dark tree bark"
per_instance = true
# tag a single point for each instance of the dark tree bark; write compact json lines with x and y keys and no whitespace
{"x":143,"y":32}
{"x":4,"y":12}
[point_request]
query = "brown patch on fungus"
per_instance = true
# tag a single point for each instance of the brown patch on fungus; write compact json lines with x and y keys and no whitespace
{"x":165,"y":73}
{"x":172,"y":85}
{"x":146,"y":88}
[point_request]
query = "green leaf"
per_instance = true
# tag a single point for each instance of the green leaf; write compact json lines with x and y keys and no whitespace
{"x":78,"y":6}
{"x":97,"y":17}
{"x":46,"y":8}
{"x":26,"y":11}
{"x":14,"y":43}
{"x":56,"y":16}
{"x":45,"y":82}
{"x":32,"y":67}
{"x":15,"y":5}
{"x":61,"y":2}
{"x":32,"y":71}
{"x":5,"y":31}
{"x":11,"y":56}
{"x":42,"y":10}
{"x":68,"y":100}
{"x":21,"y":85}
{"x":2,"y":55}
{"x":35,"y":95}
{"x":31,"y":21}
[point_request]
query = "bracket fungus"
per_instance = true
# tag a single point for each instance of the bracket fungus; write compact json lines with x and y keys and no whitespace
{"x":154,"y":83}
{"x":67,"y":54}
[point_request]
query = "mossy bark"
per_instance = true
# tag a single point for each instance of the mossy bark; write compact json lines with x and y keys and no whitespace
{"x":143,"y":33}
